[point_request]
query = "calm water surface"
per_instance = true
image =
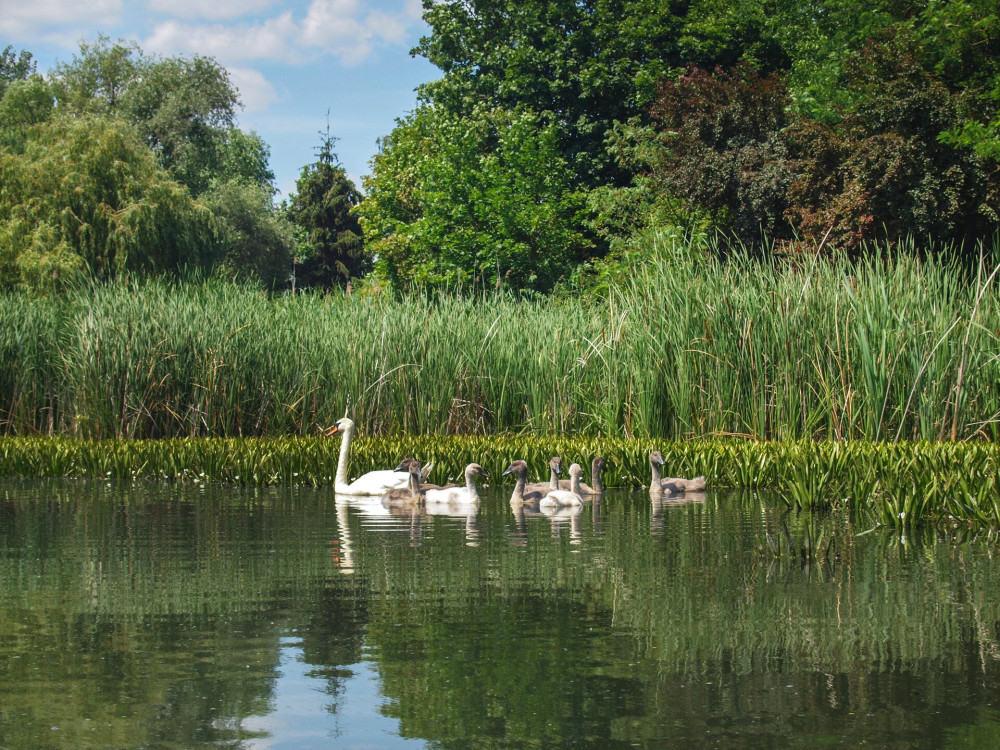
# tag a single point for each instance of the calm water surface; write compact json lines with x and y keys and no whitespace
{"x":166,"y":616}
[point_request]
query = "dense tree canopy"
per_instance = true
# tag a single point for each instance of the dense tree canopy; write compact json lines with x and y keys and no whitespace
{"x":485,"y":199}
{"x":558,"y":132}
{"x":772,"y":119}
{"x":85,"y":197}
{"x":331,"y":249}
{"x":104,"y":161}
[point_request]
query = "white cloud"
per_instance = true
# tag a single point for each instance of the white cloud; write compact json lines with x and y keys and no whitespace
{"x":270,"y":39}
{"x":21,"y":18}
{"x":213,"y":9}
{"x":256,"y":92}
{"x":346,"y":29}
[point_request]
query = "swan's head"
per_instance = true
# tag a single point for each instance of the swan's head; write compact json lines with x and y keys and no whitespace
{"x":519,"y":467}
{"x":656,"y":458}
{"x":475,"y":470}
{"x":555,"y":463}
{"x":343,"y":425}
{"x":408,"y":465}
{"x":576,"y":470}
{"x":598,"y":464}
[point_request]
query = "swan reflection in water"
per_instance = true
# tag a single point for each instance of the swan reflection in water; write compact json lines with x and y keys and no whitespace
{"x":665,"y":502}
{"x":559,"y":516}
{"x":375,"y":515}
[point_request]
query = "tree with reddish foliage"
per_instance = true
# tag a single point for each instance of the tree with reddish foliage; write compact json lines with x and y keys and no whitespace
{"x":724,"y":150}
{"x":884,"y":171}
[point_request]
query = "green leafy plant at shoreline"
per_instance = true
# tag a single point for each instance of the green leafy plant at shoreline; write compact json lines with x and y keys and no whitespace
{"x":899,"y":485}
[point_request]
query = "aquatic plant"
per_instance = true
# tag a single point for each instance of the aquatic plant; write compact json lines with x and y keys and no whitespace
{"x":895,"y":484}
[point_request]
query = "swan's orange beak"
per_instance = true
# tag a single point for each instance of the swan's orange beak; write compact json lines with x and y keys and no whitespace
{"x":331,"y":430}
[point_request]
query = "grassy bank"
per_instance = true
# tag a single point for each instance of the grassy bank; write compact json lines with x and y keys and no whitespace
{"x":898,"y":484}
{"x":883,"y":351}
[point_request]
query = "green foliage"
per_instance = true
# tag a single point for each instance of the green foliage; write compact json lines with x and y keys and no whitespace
{"x":330,"y":234}
{"x":253,"y":238}
{"x":581,"y":65}
{"x":184,"y":108}
{"x":485,"y":200}
{"x":26,"y":102}
{"x":14,"y":67}
{"x":85,"y":195}
{"x":96,"y":79}
{"x":684,"y":345}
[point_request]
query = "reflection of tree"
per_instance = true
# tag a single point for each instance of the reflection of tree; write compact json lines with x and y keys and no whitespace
{"x":156,"y":616}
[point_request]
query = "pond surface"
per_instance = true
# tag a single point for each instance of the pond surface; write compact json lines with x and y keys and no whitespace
{"x":169,"y":616}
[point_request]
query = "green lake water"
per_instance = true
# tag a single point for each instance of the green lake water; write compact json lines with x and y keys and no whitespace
{"x":180,"y":616}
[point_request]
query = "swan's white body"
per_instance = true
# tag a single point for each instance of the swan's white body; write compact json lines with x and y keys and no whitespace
{"x":458,"y":495}
{"x":570,"y":497}
{"x":372,"y":483}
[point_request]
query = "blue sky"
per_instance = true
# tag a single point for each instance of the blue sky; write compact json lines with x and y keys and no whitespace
{"x":292,"y":61}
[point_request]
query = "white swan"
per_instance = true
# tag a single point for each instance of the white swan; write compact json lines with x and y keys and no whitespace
{"x":671,"y":486}
{"x":458,"y":494}
{"x":372,"y":483}
{"x":568,"y":497}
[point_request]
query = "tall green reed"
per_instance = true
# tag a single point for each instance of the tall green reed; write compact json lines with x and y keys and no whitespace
{"x":686,"y":346}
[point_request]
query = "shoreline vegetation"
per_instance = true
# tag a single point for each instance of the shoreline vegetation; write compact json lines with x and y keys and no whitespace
{"x":897,"y":485}
{"x":682,"y":346}
{"x":871,"y":385}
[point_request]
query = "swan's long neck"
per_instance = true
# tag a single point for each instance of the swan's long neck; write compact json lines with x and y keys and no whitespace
{"x":345,"y":455}
{"x":655,"y":484}
{"x":595,"y":480}
{"x":415,"y":486}
{"x":553,"y":478}
{"x":470,"y":485}
{"x":518,"y":496}
{"x":574,"y":484}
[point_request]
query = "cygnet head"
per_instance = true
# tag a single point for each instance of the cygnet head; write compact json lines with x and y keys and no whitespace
{"x":518,"y":468}
{"x":555,"y":464}
{"x":598,"y":464}
{"x":408,"y":465}
{"x":575,"y":470}
{"x":475,"y":470}
{"x":656,"y":458}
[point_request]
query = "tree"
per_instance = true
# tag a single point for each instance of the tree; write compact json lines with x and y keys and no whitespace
{"x":487,"y":199}
{"x":253,"y":239}
{"x":95,"y":80}
{"x":886,"y":170}
{"x":14,"y":67}
{"x":86,"y":197}
{"x":723,"y":149}
{"x":323,"y":205}
{"x":185,"y":110}
{"x":26,"y":102}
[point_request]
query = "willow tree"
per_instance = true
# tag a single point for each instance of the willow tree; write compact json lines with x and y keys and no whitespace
{"x":85,"y":197}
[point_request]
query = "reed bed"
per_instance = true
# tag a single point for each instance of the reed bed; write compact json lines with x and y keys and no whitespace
{"x":686,"y":347}
{"x":899,"y":484}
